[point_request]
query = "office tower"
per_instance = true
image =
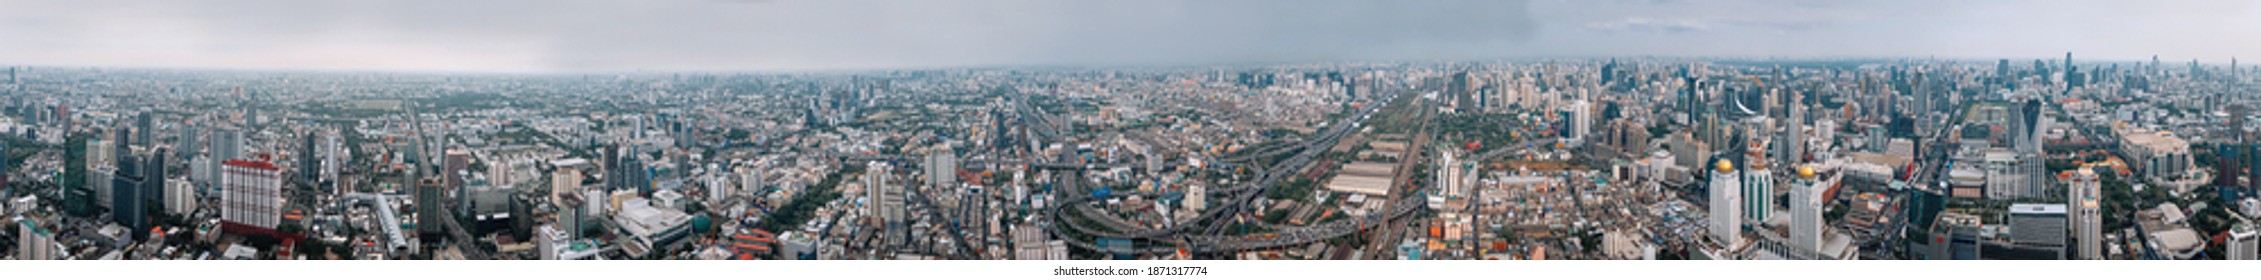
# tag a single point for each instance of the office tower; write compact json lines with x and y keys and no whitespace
{"x":453,"y":165}
{"x":251,"y":196}
{"x":227,"y":144}
{"x":636,"y":175}
{"x":126,"y":200}
{"x":1805,"y":211}
{"x":1581,"y":121}
{"x":187,"y":145}
{"x":153,"y":178}
{"x":2030,"y":149}
{"x":1726,"y":203}
{"x":2087,"y":218}
{"x":453,"y":172}
{"x":942,"y":167}
{"x":613,"y":179}
{"x":34,"y":242}
{"x":2244,"y":242}
{"x":78,"y":193}
{"x":429,"y":212}
{"x":2002,"y":69}
{"x":309,"y":164}
{"x":147,"y":129}
{"x":2039,"y":226}
{"x":333,"y":157}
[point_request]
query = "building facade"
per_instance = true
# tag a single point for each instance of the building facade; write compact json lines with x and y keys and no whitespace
{"x":251,"y":195}
{"x":1726,"y":203}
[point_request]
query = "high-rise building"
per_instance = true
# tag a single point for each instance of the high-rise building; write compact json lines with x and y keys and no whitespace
{"x":34,"y":242}
{"x":1805,"y":211}
{"x":2244,"y":242}
{"x":2087,"y":217}
{"x":454,"y":172}
{"x":227,"y":144}
{"x":1790,"y":145}
{"x":636,"y":175}
{"x":147,"y":129}
{"x":126,"y":202}
{"x":4,"y":167}
{"x":251,"y":196}
{"x":186,"y":146}
{"x":429,"y":212}
{"x":1726,"y":203}
{"x":309,"y":165}
{"x":453,"y":165}
{"x":564,"y":181}
{"x":2002,"y":69}
{"x":942,"y":167}
{"x":1581,"y":121}
{"x":153,"y":178}
{"x":2038,"y":226}
{"x":885,"y":197}
{"x":180,"y":197}
{"x":1758,"y":187}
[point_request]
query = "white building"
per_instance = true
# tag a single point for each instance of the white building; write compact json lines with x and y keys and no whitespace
{"x":1581,"y":121}
{"x":2244,"y":242}
{"x":180,"y":197}
{"x":1726,"y":204}
{"x":36,"y":243}
{"x":1805,"y":211}
{"x":251,"y":194}
{"x":2087,"y":218}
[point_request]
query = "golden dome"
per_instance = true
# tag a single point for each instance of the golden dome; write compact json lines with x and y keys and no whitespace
{"x":1725,"y":166}
{"x":1806,"y":172}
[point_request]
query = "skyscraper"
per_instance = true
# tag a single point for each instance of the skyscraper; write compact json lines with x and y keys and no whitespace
{"x":153,"y":177}
{"x":1726,"y":203}
{"x":611,"y":166}
{"x":429,"y":212}
{"x":1758,"y":186}
{"x":308,"y":163}
{"x":189,"y":143}
{"x":1790,"y":144}
{"x":2087,"y":218}
{"x":126,"y":202}
{"x":227,"y":144}
{"x":1805,"y":211}
{"x":147,"y":130}
{"x":453,"y":165}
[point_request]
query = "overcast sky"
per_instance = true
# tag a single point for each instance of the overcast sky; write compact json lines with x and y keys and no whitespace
{"x":763,"y":35}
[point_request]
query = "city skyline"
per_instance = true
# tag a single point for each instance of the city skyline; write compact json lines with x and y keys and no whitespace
{"x":791,"y":35}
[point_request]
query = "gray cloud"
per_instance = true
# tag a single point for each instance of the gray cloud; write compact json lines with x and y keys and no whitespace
{"x":729,"y":35}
